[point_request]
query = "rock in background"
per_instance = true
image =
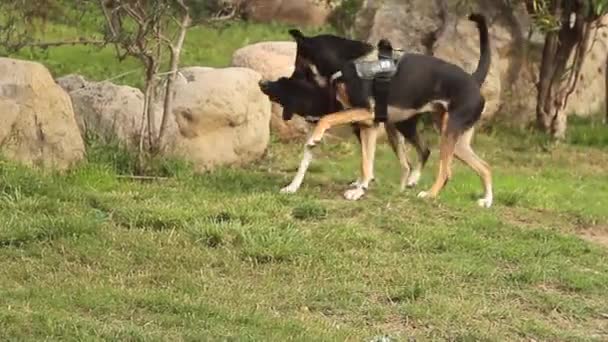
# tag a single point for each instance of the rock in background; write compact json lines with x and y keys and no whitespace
{"x":510,"y":87}
{"x":589,"y":96}
{"x":39,"y":127}
{"x":222,"y":118}
{"x":297,"y":12}
{"x":219,"y":118}
{"x":273,"y":60}
{"x":106,"y":110}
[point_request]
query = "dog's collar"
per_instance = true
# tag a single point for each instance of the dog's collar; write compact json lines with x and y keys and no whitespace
{"x":373,"y":55}
{"x":335,"y":76}
{"x":311,"y":119}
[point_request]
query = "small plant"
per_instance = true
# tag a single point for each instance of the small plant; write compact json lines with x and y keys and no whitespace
{"x":309,"y":211}
{"x":343,"y":17}
{"x":409,"y":293}
{"x":274,"y":244}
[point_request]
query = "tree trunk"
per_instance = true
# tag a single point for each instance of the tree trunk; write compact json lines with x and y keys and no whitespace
{"x":176,"y":51}
{"x":606,"y":91}
{"x":147,"y":112}
{"x":544,"y":105}
{"x":560,"y":68}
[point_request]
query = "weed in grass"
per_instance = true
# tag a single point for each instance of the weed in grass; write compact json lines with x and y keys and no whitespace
{"x":111,"y":154}
{"x":407,"y":293}
{"x":590,"y":131}
{"x":17,"y":230}
{"x":276,"y":243}
{"x":215,"y":233}
{"x":309,"y":211}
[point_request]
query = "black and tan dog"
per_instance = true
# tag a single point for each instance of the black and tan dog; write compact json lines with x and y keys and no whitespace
{"x":305,"y":97}
{"x":421,"y":84}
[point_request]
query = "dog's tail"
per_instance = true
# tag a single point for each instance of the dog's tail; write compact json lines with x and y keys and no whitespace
{"x":484,"y":48}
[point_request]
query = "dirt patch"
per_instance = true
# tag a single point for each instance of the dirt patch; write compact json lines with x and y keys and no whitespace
{"x":597,"y":235}
{"x":534,"y":218}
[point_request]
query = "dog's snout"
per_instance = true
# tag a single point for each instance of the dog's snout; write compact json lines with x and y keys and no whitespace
{"x":263,"y":84}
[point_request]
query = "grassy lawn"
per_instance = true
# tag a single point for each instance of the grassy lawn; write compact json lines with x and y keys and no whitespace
{"x":89,"y":255}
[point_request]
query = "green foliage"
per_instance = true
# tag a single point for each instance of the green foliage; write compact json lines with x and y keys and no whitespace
{"x":547,"y":19}
{"x":23,"y":21}
{"x":204,"y":46}
{"x":588,"y":132}
{"x":201,"y":10}
{"x":309,"y":211}
{"x":88,"y":255}
{"x":343,"y":17}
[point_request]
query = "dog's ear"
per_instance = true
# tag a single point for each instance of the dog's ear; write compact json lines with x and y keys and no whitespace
{"x":384,"y":44}
{"x":287,"y":114}
{"x":296,"y":34}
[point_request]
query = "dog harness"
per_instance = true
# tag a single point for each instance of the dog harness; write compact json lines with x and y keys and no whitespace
{"x":380,"y":72}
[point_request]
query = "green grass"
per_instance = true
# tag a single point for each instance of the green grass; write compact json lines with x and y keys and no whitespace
{"x":204,"y":46}
{"x":588,"y":131}
{"x":87,"y":255}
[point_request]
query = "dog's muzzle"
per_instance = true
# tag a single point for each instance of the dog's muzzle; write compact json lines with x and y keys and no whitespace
{"x":263,"y":85}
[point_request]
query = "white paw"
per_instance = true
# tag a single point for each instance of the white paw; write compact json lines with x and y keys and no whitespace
{"x":312,"y":142}
{"x":290,"y":189}
{"x":359,"y":183}
{"x":485,"y":202}
{"x":423,"y":194}
{"x":354,"y":194}
{"x":413,"y":179}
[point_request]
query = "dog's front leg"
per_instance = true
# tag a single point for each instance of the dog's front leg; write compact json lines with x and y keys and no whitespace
{"x":368,"y":149}
{"x":336,"y":119}
{"x":299,"y":177}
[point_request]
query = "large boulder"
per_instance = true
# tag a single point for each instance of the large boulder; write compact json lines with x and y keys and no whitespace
{"x":106,"y":110}
{"x":38,"y":128}
{"x":459,"y":44}
{"x":222,"y":118}
{"x":589,"y":96}
{"x":404,"y":23}
{"x":511,"y":84}
{"x":409,"y":24}
{"x":273,"y":60}
{"x":297,"y":12}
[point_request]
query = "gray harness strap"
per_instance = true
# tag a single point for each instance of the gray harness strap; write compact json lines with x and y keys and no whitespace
{"x":382,"y":80}
{"x":380,"y":72}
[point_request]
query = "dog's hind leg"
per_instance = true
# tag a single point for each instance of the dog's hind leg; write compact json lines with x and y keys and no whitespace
{"x":447,"y":146}
{"x":410,"y":133}
{"x":397,"y":143}
{"x":368,"y":150}
{"x":465,"y":153}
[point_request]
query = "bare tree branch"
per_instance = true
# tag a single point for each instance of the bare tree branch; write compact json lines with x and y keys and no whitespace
{"x":45,"y":45}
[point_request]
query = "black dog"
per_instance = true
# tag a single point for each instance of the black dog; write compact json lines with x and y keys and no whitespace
{"x":420,"y":84}
{"x":305,"y":97}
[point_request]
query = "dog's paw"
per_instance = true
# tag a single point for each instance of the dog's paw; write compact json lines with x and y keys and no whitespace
{"x":425,"y":194}
{"x":360,"y":183}
{"x":485,"y":202}
{"x":413,"y":179}
{"x":354,"y":194}
{"x":312,"y":142}
{"x":290,"y":189}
